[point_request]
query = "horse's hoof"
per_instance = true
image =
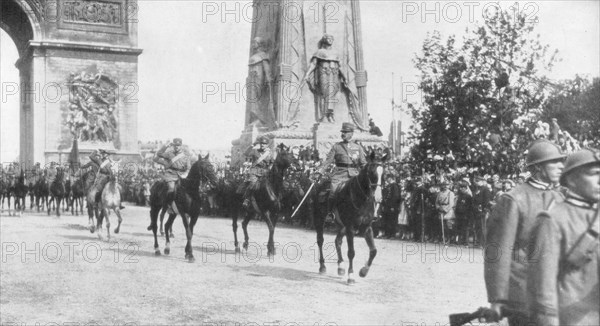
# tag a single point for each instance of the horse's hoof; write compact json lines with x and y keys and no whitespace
{"x":157,"y":252}
{"x":363,"y":271}
{"x":149,"y":228}
{"x":190,"y":258}
{"x":245,"y":245}
{"x":117,"y":231}
{"x":162,"y":233}
{"x":237,"y":250}
{"x":172,"y":236}
{"x":167,"y":251}
{"x":322,"y":270}
{"x":92,"y":229}
{"x":341,"y":271}
{"x":351,"y":281}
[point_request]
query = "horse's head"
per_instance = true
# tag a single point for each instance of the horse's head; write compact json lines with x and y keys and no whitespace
{"x":114,"y":176}
{"x":203,"y":172}
{"x":374,"y":170}
{"x":285,"y":159}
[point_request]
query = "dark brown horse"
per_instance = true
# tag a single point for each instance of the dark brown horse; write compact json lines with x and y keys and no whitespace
{"x":19,"y":191}
{"x":187,"y":203}
{"x":268,"y":198}
{"x":58,"y":190}
{"x":41,"y":191}
{"x":354,"y":205}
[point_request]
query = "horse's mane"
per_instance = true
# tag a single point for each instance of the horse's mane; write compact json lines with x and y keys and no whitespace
{"x":203,"y":171}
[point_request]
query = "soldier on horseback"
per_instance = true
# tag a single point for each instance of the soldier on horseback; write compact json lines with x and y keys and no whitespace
{"x":348,"y":156}
{"x":261,"y":159}
{"x":176,"y":165}
{"x":101,"y":159}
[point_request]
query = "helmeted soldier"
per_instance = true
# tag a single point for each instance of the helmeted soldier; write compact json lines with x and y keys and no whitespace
{"x":176,"y":165}
{"x":564,"y":256}
{"x":509,"y":228}
{"x":348,"y":157}
{"x":260,"y":157}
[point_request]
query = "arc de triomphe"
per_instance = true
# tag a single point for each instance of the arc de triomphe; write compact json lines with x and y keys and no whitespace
{"x":77,"y":63}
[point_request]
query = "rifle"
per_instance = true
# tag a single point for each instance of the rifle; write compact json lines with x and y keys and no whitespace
{"x":483,"y":314}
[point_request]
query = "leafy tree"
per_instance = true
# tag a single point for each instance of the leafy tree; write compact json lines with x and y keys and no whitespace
{"x":575,"y":105}
{"x":481,"y":91}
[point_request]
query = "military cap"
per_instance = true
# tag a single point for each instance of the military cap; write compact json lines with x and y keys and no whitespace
{"x":347,"y":127}
{"x":177,"y":141}
{"x":580,"y":158}
{"x":261,"y":140}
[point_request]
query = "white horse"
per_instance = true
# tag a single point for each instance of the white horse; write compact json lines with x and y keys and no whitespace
{"x":110,"y":200}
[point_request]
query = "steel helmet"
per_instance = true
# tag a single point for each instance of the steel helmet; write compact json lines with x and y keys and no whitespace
{"x":580,"y":158}
{"x":543,"y":151}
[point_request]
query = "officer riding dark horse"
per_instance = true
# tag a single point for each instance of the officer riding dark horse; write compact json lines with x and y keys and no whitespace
{"x":352,"y":198}
{"x":263,"y":188}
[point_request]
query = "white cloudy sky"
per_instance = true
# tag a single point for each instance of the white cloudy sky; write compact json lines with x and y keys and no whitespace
{"x":184,"y":48}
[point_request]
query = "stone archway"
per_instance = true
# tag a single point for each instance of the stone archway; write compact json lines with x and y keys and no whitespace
{"x":91,"y":44}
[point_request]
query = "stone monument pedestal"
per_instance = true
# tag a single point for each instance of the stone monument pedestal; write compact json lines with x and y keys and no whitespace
{"x":322,"y":136}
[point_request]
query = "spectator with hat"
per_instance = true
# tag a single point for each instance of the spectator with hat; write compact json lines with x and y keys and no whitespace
{"x":445,"y":203}
{"x":464,"y":211}
{"x":564,"y":268}
{"x":509,"y":230}
{"x":482,"y":199}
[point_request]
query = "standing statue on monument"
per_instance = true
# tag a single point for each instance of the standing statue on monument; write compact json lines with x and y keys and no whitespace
{"x":260,"y":86}
{"x":325,"y":80}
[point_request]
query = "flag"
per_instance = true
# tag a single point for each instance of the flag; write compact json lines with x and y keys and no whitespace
{"x":74,"y":156}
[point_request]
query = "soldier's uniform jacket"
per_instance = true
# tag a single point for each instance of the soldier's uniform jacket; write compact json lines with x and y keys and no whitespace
{"x":104,"y":166}
{"x":259,"y":169}
{"x":176,"y":165}
{"x":508,"y":235}
{"x":349,"y":157}
{"x":560,"y":293}
{"x":445,"y":203}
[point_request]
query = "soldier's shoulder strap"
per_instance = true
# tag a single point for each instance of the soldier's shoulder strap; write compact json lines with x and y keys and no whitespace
{"x":263,"y":157}
{"x":177,"y":157}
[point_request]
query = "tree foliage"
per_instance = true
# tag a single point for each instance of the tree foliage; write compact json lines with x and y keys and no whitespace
{"x":484,"y":90}
{"x":575,"y":103}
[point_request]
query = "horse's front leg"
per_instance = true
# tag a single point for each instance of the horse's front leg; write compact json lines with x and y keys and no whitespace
{"x":372,"y":251}
{"x":162,"y":218}
{"x":319,"y":226}
{"x":188,"y":233}
{"x":338,"y":243}
{"x":168,"y":228}
{"x":245,"y":229}
{"x":234,"y":226}
{"x":90,"y":210}
{"x":58,"y":199}
{"x":118,"y":212}
{"x":350,"y":239}
{"x":271,"y":226}
{"x":153,"y":226}
{"x":106,"y":213}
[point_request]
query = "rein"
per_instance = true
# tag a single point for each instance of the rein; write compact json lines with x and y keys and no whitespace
{"x":372,"y":187}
